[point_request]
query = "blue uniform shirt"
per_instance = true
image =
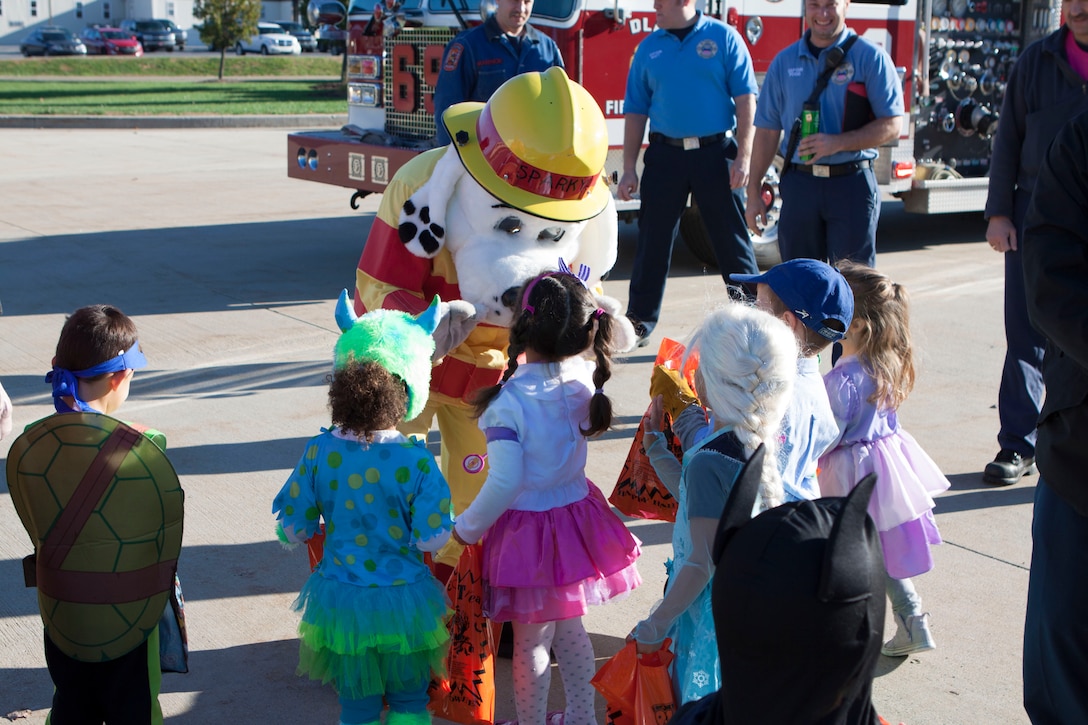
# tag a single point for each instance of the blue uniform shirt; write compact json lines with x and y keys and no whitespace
{"x":686,"y":87}
{"x":481,"y":59}
{"x":866,"y":71}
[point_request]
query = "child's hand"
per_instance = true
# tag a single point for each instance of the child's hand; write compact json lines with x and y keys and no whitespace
{"x":655,"y":415}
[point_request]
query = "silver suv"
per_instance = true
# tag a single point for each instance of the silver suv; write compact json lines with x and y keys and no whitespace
{"x":152,"y":34}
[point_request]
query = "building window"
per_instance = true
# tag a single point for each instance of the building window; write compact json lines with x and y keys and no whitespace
{"x":33,"y":8}
{"x":79,"y":10}
{"x":105,"y":11}
{"x":170,"y":9}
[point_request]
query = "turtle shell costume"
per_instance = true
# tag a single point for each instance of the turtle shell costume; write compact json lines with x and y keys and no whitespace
{"x":103,"y":507}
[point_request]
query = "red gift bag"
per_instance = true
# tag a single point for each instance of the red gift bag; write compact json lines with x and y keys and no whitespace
{"x":467,"y":694}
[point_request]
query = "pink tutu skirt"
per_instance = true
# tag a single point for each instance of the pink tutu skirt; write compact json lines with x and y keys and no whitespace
{"x":543,"y":566}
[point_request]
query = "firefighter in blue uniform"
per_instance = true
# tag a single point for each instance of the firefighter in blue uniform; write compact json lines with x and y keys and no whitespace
{"x":692,"y":80}
{"x":830,"y":202}
{"x":481,"y":59}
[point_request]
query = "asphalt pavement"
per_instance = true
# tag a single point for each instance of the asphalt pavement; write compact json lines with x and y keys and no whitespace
{"x":231,"y":271}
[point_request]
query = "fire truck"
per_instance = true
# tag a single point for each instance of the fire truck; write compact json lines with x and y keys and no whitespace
{"x":953,"y":56}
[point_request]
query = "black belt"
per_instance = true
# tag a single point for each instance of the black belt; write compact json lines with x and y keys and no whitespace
{"x":830,"y":171}
{"x":689,"y":142}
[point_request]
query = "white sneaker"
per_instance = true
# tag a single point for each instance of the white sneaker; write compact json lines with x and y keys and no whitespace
{"x":911,"y":635}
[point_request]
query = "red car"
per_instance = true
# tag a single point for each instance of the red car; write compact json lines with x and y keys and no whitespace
{"x":110,"y":41}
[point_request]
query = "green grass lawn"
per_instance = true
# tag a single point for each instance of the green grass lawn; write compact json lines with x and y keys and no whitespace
{"x":174,"y":85}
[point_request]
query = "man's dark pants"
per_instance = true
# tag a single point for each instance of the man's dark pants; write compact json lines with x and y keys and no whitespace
{"x":1056,"y":628}
{"x":669,"y":174}
{"x":829,"y":218}
{"x":1020,"y":396}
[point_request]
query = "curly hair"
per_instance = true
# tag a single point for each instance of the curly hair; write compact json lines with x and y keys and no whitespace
{"x":93,"y":335}
{"x":365,"y":397}
{"x":747,"y":366}
{"x":559,"y":318}
{"x":882,"y":311}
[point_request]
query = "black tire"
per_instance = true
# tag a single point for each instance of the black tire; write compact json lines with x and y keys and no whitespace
{"x":239,"y":50}
{"x":693,"y":233}
{"x":264,"y":50}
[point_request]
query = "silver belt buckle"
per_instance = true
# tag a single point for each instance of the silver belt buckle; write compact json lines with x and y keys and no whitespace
{"x":691,"y":142}
{"x":821,"y":170}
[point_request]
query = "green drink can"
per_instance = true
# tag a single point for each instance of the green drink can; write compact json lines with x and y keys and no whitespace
{"x":810,"y":123}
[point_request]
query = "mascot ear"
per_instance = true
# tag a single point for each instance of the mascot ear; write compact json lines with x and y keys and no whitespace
{"x":422,"y":226}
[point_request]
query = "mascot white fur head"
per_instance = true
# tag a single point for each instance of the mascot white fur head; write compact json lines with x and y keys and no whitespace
{"x":520,"y":189}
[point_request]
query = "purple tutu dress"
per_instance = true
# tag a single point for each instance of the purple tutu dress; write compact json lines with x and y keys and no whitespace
{"x":551,"y":544}
{"x":907,"y":478}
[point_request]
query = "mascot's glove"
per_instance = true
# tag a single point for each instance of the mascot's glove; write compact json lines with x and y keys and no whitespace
{"x":456,"y":320}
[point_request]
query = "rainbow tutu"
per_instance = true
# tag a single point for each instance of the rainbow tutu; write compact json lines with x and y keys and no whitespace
{"x":370,"y":640}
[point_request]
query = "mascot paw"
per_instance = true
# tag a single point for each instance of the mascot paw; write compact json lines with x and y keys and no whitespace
{"x":456,"y":320}
{"x":624,"y":338}
{"x":418,"y":232}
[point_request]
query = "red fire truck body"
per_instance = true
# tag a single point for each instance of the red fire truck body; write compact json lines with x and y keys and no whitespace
{"x":953,"y":55}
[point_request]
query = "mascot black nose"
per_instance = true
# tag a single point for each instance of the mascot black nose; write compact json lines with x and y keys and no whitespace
{"x":510,"y":297}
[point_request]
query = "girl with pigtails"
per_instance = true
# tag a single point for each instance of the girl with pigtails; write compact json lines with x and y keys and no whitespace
{"x":747,"y":365}
{"x":537,"y":506}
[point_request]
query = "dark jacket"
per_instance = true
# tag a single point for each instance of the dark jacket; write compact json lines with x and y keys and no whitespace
{"x":1042,"y":94}
{"x":1055,"y":251}
{"x":481,"y":59}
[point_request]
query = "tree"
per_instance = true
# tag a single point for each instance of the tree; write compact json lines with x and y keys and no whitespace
{"x":226,"y":22}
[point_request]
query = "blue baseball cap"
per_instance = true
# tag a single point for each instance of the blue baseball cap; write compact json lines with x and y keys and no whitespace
{"x":813,"y":290}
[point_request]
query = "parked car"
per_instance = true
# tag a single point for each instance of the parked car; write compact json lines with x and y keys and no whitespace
{"x":331,"y":39}
{"x":52,"y":40}
{"x":152,"y":34}
{"x":104,"y":40}
{"x":305,"y":38}
{"x":180,"y":36}
{"x":270,"y":39}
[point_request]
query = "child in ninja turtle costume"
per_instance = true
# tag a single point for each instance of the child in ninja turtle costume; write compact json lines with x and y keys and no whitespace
{"x":373,"y":616}
{"x":103,"y":508}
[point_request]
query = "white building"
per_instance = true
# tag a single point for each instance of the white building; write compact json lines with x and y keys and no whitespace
{"x":19,"y":17}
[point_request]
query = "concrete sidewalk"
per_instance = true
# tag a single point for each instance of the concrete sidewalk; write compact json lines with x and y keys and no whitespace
{"x":231,"y":271}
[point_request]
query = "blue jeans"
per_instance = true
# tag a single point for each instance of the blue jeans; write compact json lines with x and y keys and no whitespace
{"x":670,"y":174}
{"x":1055,"y":628}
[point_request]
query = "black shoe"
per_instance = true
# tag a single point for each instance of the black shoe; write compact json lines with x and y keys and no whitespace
{"x":1007,"y":468}
{"x":641,"y":331}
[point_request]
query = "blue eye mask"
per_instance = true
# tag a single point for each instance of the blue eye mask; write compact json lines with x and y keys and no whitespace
{"x":66,"y":382}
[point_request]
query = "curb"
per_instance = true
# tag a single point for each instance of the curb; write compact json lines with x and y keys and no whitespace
{"x":334,"y":120}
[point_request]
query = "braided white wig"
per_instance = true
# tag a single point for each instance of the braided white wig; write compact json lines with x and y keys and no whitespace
{"x":747,"y":365}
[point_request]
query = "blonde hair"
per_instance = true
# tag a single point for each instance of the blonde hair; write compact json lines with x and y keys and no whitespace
{"x":882,"y":308}
{"x":747,"y":363}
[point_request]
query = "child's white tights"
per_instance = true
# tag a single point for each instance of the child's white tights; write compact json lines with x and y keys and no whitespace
{"x":532,"y":671}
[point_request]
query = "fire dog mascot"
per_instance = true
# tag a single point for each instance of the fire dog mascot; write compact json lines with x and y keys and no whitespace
{"x":519,"y":191}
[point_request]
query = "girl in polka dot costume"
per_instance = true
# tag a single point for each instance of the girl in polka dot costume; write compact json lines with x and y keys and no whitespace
{"x":373,"y":616}
{"x":551,"y":544}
